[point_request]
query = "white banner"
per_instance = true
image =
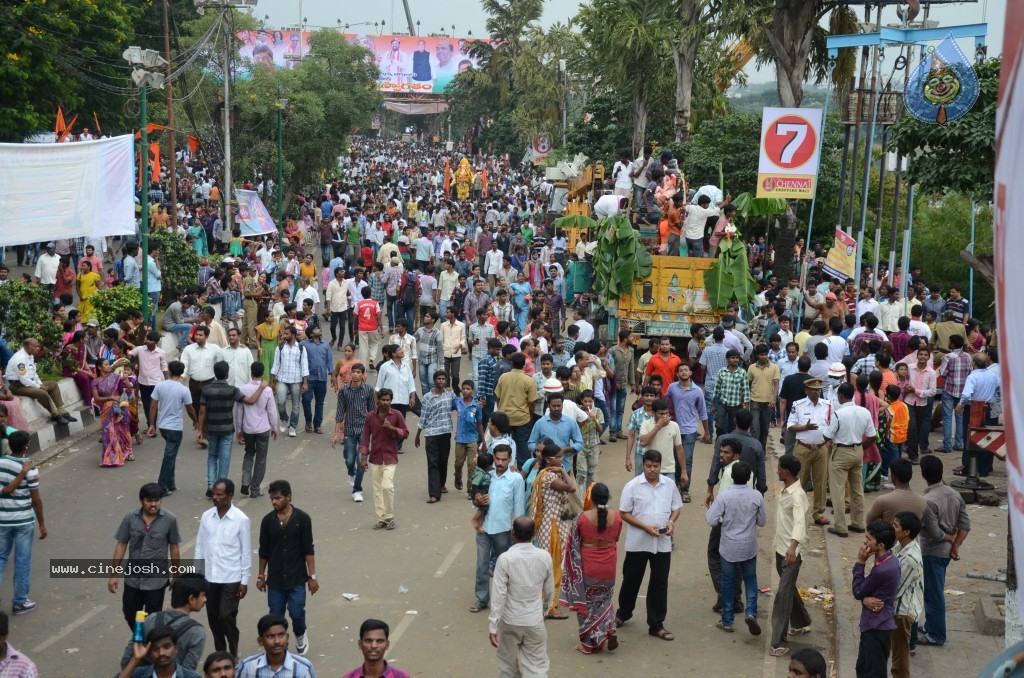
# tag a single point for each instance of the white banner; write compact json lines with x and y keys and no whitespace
{"x":55,"y":191}
{"x":1009,"y":242}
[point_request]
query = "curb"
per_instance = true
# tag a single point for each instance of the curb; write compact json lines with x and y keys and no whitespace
{"x":53,"y":440}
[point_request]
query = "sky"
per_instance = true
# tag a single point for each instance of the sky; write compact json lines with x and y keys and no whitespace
{"x":466,"y":15}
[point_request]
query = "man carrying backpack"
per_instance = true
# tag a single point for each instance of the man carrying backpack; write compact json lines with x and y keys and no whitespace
{"x":187,"y":596}
{"x":408,"y":298}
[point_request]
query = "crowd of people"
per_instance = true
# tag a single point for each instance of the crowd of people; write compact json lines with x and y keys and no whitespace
{"x":410,"y":275}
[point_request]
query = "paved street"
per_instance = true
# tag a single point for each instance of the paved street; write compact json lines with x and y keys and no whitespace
{"x":78,"y":629}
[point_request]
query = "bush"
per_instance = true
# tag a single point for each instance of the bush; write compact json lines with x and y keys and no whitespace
{"x":110,"y":301}
{"x":179,"y":262}
{"x":25,"y":310}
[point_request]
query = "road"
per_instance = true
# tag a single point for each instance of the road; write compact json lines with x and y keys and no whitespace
{"x":418,"y":578}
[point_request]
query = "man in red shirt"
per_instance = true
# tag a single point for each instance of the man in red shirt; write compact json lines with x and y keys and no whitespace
{"x":383,"y":429}
{"x":664,"y":364}
{"x":371,"y":332}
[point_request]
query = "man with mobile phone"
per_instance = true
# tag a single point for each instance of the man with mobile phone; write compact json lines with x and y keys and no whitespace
{"x":649,"y":506}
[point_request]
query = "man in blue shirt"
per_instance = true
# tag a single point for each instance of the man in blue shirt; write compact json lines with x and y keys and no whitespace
{"x":504,"y":502}
{"x":562,"y":431}
{"x":155,"y":276}
{"x":318,"y":356}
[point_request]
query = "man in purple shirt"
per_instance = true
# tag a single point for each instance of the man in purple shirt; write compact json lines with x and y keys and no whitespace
{"x":877,"y":593}
{"x":688,"y":407}
{"x":256,"y":424}
{"x":384,"y":427}
{"x":373,"y":643}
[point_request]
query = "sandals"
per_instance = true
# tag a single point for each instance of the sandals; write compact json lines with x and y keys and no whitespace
{"x":613,"y":643}
{"x":959,"y":471}
{"x":433,"y":500}
{"x":619,"y":621}
{"x":662,"y":634}
{"x":556,"y":615}
{"x":800,"y":632}
{"x":778,"y":652}
{"x":686,"y":497}
{"x":724,"y":627}
{"x":580,"y":648}
{"x":477,"y":608}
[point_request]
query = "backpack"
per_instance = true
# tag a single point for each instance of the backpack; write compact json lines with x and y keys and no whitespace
{"x":119,"y":269}
{"x":409,"y":290}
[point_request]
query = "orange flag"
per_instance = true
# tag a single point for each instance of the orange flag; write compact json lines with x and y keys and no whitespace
{"x":193,"y":144}
{"x":447,"y":178}
{"x":67,"y":130}
{"x":59,"y":128}
{"x":154,"y":152}
{"x":99,"y":130}
{"x":484,"y":181}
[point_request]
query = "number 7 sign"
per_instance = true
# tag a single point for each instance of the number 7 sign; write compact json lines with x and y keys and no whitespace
{"x":788,"y":165}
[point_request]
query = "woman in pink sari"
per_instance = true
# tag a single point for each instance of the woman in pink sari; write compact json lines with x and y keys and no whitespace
{"x":108,"y":394}
{"x":74,"y":365}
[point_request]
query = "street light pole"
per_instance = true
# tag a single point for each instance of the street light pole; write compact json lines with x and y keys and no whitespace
{"x":281,"y":105}
{"x":147,"y":58}
{"x":144,"y":230}
{"x":226,"y":192}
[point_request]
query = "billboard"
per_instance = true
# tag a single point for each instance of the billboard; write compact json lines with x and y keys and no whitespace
{"x":407,"y":63}
{"x":788,"y":166}
{"x":252,"y":216}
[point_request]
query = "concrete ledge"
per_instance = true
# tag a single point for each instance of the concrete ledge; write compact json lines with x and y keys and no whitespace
{"x":989,"y":616}
{"x":43,"y":430}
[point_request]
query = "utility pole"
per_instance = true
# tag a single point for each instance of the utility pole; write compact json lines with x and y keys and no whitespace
{"x":226,"y":189}
{"x":281,"y":105}
{"x":147,"y":58}
{"x":170,"y":119}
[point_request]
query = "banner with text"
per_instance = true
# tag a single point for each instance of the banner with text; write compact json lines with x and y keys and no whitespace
{"x":788,"y":166}
{"x":57,"y":191}
{"x":253,"y":217}
{"x":841,"y":261}
{"x":407,"y":63}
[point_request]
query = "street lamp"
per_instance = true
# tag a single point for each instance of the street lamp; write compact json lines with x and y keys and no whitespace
{"x":281,"y":105}
{"x":148,"y":58}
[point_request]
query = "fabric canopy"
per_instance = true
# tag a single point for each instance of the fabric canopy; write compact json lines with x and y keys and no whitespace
{"x":55,"y":191}
{"x":416,"y":108}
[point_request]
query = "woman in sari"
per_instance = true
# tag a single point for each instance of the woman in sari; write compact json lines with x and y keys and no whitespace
{"x":521,"y":296}
{"x":131,"y":396}
{"x":343,"y":366}
{"x":88,"y":283}
{"x":552,"y":517}
{"x":74,"y":365}
{"x":588,"y":571}
{"x":266,"y":334}
{"x":12,"y":415}
{"x":107,"y":394}
{"x":198,"y":234}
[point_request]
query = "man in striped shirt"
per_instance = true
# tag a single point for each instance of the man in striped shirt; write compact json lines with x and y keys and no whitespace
{"x":20,"y":507}
{"x":13,"y":662}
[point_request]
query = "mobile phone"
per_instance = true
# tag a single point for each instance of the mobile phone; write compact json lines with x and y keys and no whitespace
{"x":663,"y":530}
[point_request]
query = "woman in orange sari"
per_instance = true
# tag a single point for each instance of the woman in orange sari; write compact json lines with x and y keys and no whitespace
{"x":588,"y":571}
{"x":552,"y":517}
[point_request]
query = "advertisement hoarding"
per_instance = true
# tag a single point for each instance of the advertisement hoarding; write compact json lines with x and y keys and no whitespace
{"x":415,"y":64}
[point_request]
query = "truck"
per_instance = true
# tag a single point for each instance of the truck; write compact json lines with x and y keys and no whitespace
{"x":668,"y":301}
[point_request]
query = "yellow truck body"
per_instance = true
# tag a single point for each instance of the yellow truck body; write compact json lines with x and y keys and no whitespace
{"x":670,"y":300}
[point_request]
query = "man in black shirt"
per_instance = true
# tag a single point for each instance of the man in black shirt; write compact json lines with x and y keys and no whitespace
{"x":793,"y":390}
{"x":286,"y":550}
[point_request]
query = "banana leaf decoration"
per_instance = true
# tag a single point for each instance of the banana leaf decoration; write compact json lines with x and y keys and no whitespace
{"x":620,"y":258}
{"x":575,"y":221}
{"x":729,"y":279}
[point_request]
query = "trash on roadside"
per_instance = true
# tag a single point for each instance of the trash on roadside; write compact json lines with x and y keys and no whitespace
{"x":350,"y":596}
{"x":767,"y":590}
{"x":821,"y":595}
{"x":402,"y":589}
{"x":953,"y":592}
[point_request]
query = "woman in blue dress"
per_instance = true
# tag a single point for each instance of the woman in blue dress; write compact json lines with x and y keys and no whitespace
{"x":521,"y":295}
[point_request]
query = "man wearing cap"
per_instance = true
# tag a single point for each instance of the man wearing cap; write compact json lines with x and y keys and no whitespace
{"x":824,"y":310}
{"x":849,"y":426}
{"x":808,"y":421}
{"x":46,"y":268}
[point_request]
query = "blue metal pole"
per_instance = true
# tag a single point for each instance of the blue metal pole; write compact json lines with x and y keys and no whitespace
{"x":970,"y":287}
{"x":870,"y":144}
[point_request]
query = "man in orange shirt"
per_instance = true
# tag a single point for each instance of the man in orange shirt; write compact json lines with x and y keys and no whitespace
{"x":674,"y":215}
{"x":664,"y":364}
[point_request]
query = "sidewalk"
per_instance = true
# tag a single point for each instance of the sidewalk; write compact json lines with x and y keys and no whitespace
{"x":967,"y":649}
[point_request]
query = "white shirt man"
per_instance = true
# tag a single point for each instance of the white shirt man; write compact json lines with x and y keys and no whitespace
{"x":399,"y":379}
{"x":308,"y":292}
{"x":586,"y":330}
{"x":337,"y":295}
{"x":239,"y":360}
{"x":493,"y":261}
{"x":46,"y":266}
{"x":696,"y":219}
{"x":199,"y":360}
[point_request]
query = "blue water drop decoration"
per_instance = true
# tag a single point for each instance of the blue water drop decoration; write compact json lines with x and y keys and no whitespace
{"x":943,"y":87}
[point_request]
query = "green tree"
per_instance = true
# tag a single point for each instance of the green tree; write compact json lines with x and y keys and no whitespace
{"x":64,"y":54}
{"x":959,"y":156}
{"x":541,"y":89}
{"x":732,"y":141}
{"x":629,"y":44}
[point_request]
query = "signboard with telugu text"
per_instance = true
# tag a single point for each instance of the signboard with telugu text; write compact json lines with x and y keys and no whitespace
{"x":788,"y":165}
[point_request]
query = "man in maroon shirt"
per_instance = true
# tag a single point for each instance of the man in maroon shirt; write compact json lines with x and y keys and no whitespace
{"x":383,"y":429}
